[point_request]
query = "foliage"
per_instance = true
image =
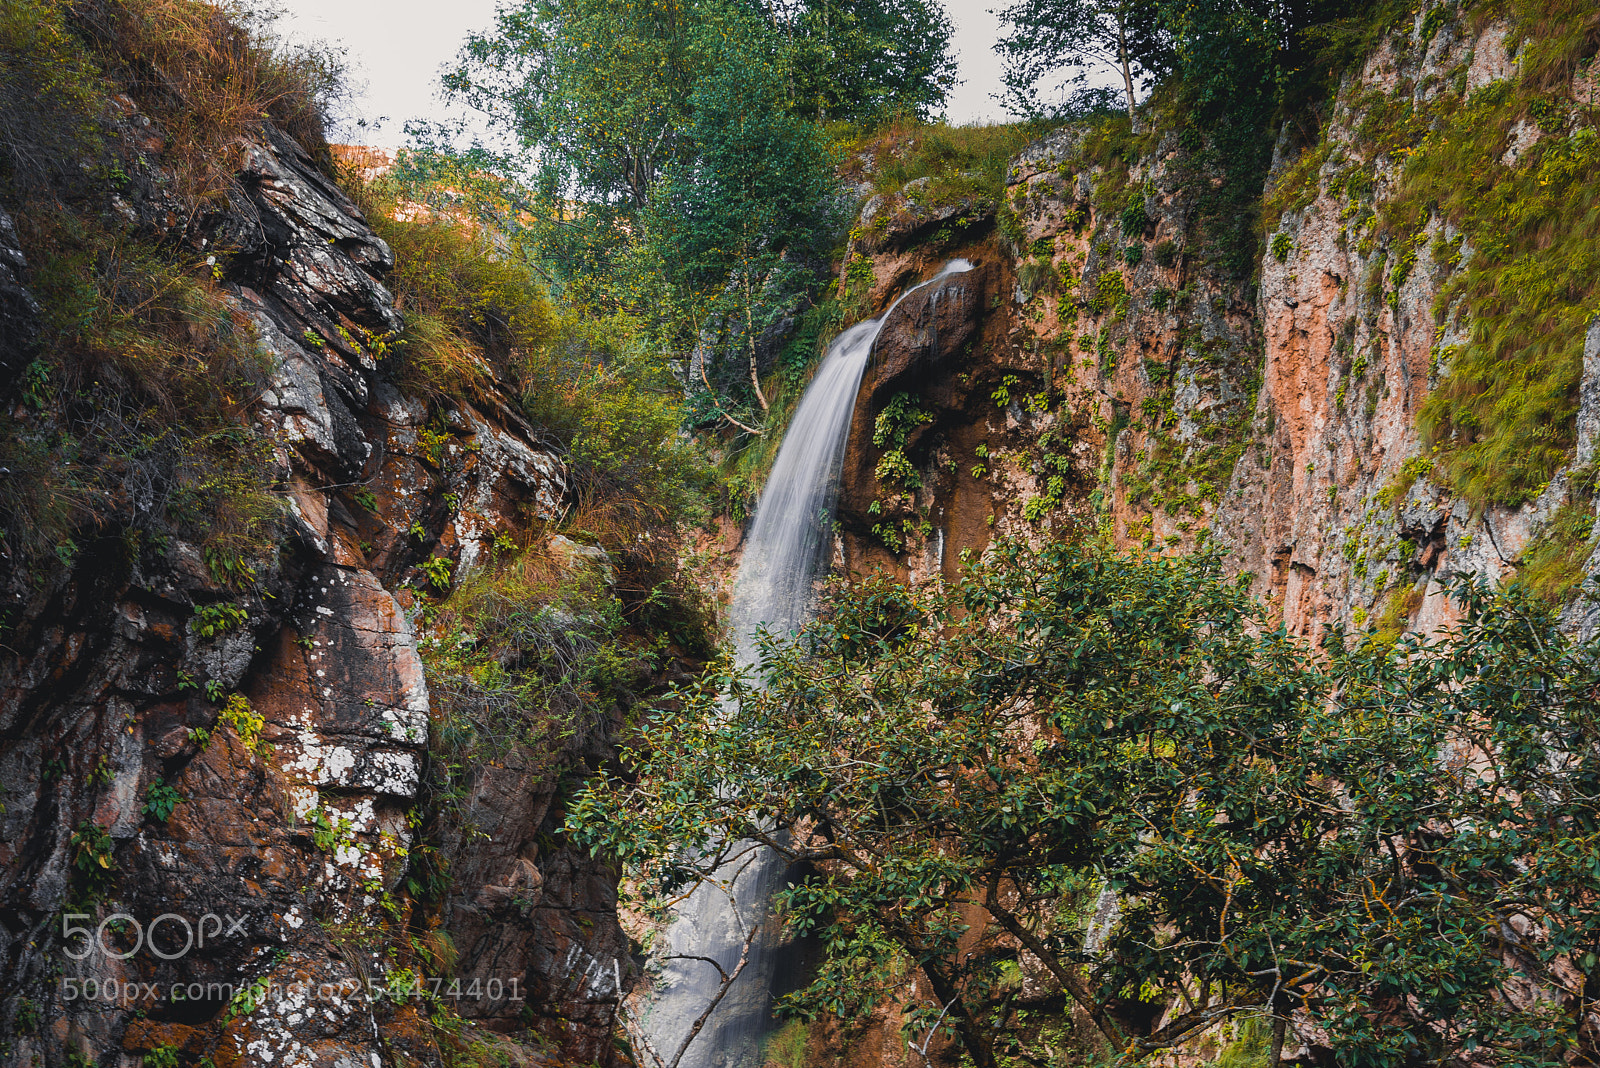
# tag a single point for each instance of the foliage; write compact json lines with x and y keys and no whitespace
{"x":637,"y":480}
{"x":867,"y":59}
{"x":1281,"y":830}
{"x":50,"y":90}
{"x":734,"y":221}
{"x":161,"y":1056}
{"x":1044,"y":37}
{"x":143,"y":385}
{"x":246,"y":722}
{"x":160,"y":799}
{"x":1504,"y":415}
{"x":473,"y":312}
{"x":519,"y":653}
{"x":1553,"y":563}
{"x":439,"y":571}
{"x":963,"y":161}
{"x":672,"y":180}
{"x":891,"y":429}
{"x":91,"y":856}
{"x":208,"y":73}
{"x":211,"y":620}
{"x":135,"y":405}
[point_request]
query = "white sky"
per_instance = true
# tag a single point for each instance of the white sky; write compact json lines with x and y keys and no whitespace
{"x":396,"y":48}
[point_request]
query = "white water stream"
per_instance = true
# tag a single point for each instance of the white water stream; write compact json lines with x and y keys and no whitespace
{"x":785,"y":553}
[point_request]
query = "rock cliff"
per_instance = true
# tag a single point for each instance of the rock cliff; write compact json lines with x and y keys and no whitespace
{"x":1119,"y":371}
{"x":222,"y":835}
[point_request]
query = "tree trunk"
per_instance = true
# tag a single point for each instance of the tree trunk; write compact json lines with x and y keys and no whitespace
{"x":1122,"y":60}
{"x":966,"y":1026}
{"x":750,"y":338}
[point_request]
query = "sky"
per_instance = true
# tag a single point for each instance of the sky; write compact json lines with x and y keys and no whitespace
{"x":396,"y":47}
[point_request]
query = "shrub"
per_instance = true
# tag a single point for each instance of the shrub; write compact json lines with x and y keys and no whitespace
{"x":210,"y":73}
{"x":473,"y":313}
{"x":637,"y":478}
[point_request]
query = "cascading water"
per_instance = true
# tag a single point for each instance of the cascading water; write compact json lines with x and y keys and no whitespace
{"x":785,"y":552}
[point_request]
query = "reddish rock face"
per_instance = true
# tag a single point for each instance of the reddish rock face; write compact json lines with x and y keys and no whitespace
{"x":1122,"y":379}
{"x":296,"y":734}
{"x":921,"y":345}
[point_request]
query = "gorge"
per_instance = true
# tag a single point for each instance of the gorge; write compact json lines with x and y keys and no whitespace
{"x":373,"y":597}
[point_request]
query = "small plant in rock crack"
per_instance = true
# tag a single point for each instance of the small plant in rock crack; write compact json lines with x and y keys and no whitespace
{"x":162,"y":1056}
{"x":210,"y":620}
{"x":438,"y":570}
{"x":160,"y":799}
{"x":91,"y":855}
{"x":101,"y":772}
{"x":329,"y":832}
{"x":245,"y":721}
{"x":366,"y":499}
{"x":249,"y":997}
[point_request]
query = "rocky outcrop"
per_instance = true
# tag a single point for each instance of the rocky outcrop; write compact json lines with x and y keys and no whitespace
{"x":219,"y":776}
{"x":1128,"y":375}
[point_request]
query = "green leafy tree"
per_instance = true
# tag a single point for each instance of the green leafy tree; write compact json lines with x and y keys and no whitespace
{"x":1112,"y":775}
{"x":1047,"y":37}
{"x":739,"y":213}
{"x":1236,"y":59}
{"x":593,"y":95}
{"x":868,"y":59}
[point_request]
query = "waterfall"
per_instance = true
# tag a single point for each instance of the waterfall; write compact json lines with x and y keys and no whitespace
{"x":785,"y":552}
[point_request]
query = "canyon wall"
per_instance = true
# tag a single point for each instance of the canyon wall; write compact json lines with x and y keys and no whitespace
{"x":223,"y":829}
{"x":1110,"y":369}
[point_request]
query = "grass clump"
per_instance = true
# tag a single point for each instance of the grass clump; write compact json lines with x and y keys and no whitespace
{"x":136,"y":405}
{"x":963,"y":161}
{"x":1552,"y":566}
{"x":472,"y":313}
{"x":518,"y":652}
{"x":786,"y":1047}
{"x":210,"y":73}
